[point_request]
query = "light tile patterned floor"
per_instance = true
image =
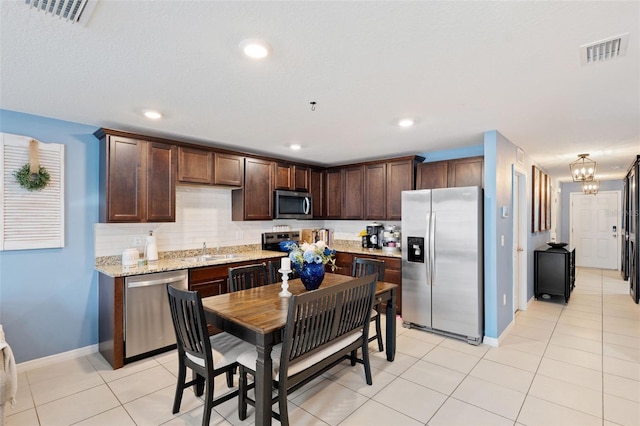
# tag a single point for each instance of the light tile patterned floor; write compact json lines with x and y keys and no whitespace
{"x":574,"y":364}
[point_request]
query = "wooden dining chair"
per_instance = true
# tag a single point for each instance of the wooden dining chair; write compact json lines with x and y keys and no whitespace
{"x":275,"y":276}
{"x":250,"y":276}
{"x":206,"y":356}
{"x":323,"y":327}
{"x":365,"y":266}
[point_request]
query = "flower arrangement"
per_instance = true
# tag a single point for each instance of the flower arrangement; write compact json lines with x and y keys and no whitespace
{"x":306,"y":253}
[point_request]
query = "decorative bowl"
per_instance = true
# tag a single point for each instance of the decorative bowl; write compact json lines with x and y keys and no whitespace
{"x":557,"y":245}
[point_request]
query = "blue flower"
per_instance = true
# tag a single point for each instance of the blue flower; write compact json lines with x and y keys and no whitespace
{"x":287,"y":245}
{"x":309,"y":256}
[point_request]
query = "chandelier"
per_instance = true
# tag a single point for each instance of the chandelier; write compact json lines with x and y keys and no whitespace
{"x":583,"y":169}
{"x":591,"y":187}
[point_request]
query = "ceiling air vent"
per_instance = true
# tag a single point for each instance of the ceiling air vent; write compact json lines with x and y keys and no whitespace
{"x":604,"y":50}
{"x":70,"y":10}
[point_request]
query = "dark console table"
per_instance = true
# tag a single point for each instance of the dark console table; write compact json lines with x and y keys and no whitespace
{"x":554,"y":271}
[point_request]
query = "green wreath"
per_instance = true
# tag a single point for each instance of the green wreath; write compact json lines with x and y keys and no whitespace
{"x":32,"y":182}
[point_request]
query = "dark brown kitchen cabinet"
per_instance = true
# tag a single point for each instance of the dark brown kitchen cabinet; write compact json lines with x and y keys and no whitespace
{"x":209,"y":280}
{"x":353,"y":192}
{"x":208,"y":167}
{"x":255,"y":200}
{"x":333,"y":194}
{"x":451,"y":173}
{"x":375,"y":193}
{"x":291,"y":177}
{"x":195,"y":165}
{"x":400,"y":177}
{"x":228,"y":169}
{"x":137,"y":180}
{"x":161,"y":182}
{"x":316,"y":187}
{"x":466,"y":172}
{"x":302,"y":179}
{"x":431,"y":175}
{"x":283,"y":174}
{"x":392,"y":270}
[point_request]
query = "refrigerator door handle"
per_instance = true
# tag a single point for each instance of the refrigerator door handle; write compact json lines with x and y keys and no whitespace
{"x":427,"y":249}
{"x":432,"y":248}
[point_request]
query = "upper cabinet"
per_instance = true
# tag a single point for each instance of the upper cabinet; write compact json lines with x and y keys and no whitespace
{"x":333,"y":194}
{"x":451,"y":173}
{"x":255,"y":200}
{"x":316,"y":188}
{"x":228,"y":169}
{"x":302,"y":179}
{"x":204,"y":166}
{"x":400,"y":177}
{"x":353,"y":192}
{"x":291,"y":177}
{"x":375,"y":191}
{"x":137,"y":179}
{"x":195,"y":165}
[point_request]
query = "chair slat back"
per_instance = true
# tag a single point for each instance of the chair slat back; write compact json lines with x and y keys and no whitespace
{"x":364,"y":266}
{"x":245,"y":277}
{"x":275,"y":276}
{"x":357,"y":305}
{"x":189,"y":323}
{"x":317,"y":317}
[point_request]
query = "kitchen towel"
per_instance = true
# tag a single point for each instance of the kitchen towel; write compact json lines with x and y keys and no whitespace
{"x":8,"y":376}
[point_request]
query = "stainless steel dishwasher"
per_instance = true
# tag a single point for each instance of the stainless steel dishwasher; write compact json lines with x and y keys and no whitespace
{"x":147,"y":322}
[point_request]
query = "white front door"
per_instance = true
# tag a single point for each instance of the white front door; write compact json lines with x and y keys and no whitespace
{"x":595,"y":225}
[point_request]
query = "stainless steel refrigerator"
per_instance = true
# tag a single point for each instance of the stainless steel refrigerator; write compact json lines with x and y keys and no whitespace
{"x":442,"y":261}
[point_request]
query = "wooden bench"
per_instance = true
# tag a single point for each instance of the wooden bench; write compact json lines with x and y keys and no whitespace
{"x":323,"y":327}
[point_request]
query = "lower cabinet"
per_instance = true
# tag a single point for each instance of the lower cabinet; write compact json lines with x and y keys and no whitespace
{"x":554,"y":272}
{"x":392,"y":270}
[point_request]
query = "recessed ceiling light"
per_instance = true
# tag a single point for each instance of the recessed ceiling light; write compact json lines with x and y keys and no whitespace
{"x":256,"y":49}
{"x":153,"y":115}
{"x":295,"y":146}
{"x":406,"y":122}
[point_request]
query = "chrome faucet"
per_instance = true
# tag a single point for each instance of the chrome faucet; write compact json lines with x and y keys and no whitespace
{"x":204,"y":249}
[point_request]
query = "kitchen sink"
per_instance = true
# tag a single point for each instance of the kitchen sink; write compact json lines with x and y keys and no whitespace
{"x":210,"y":257}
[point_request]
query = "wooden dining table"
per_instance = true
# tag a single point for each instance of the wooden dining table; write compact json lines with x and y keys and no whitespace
{"x":258,"y":316}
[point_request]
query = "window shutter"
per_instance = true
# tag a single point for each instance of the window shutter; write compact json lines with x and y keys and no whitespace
{"x":30,"y":219}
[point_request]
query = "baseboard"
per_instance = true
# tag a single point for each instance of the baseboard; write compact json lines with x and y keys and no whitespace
{"x":495,"y":342}
{"x":52,"y":359}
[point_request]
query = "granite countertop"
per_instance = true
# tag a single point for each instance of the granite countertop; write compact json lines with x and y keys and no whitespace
{"x":187,"y":259}
{"x":356,"y":248}
{"x":175,"y":264}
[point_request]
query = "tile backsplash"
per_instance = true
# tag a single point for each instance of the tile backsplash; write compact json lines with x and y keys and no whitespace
{"x":203,"y":215}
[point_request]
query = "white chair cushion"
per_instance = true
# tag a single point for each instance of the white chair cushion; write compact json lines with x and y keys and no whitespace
{"x":225,"y":349}
{"x":374,"y":313}
{"x":248,"y":359}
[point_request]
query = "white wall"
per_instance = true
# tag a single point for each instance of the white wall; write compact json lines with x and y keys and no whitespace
{"x":203,"y":214}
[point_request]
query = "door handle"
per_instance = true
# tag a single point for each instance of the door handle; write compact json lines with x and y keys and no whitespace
{"x":615,"y":235}
{"x":520,"y":249}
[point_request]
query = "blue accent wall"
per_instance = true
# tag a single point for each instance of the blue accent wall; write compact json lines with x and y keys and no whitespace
{"x":499,"y":157}
{"x":48,"y":297}
{"x":452,"y":154}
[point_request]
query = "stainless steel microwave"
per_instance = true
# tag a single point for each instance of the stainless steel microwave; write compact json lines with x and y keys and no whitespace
{"x":292,"y":205}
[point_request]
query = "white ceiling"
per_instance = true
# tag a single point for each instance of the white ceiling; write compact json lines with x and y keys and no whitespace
{"x":459,"y":68}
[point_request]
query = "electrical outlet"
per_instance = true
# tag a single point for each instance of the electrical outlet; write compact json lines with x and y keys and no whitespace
{"x":502,"y":240}
{"x":239,"y":235}
{"x":137,"y":241}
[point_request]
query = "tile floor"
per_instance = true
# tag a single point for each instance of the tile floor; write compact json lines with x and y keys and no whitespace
{"x":577,"y":364}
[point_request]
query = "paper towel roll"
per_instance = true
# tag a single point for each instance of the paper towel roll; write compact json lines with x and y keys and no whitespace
{"x":151,"y":249}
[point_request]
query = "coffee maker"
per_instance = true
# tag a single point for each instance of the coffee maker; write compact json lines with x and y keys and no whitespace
{"x":375,"y":232}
